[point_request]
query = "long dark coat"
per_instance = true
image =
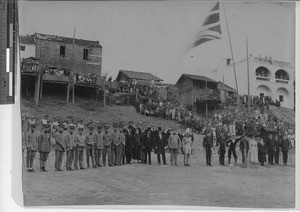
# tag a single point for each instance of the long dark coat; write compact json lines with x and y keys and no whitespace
{"x":137,"y":147}
{"x":129,"y":144}
{"x":160,"y":144}
{"x":147,"y":144}
{"x":262,"y":150}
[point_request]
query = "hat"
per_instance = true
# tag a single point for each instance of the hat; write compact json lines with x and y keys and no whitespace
{"x":80,"y":129}
{"x":106,"y":126}
{"x":159,"y":128}
{"x":91,"y":127}
{"x":99,"y":127}
{"x":72,"y":126}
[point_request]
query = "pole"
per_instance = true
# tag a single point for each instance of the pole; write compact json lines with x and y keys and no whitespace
{"x":237,"y":89}
{"x":248,"y":74}
{"x":73,"y":69}
{"x":104,"y":95}
{"x":206,"y":108}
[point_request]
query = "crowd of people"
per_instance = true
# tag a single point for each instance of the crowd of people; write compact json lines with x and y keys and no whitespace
{"x":126,"y":143}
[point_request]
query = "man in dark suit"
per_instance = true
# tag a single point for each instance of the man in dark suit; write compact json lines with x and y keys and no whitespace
{"x":160,"y":143}
{"x":147,"y":146}
{"x":129,"y":145}
{"x":285,"y":145}
{"x":271,"y":149}
{"x":208,"y":144}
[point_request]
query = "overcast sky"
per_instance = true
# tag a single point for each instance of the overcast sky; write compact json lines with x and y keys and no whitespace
{"x":156,"y":36}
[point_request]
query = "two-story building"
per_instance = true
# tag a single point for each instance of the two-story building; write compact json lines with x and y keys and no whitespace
{"x":267,"y":77}
{"x":61,"y":61}
{"x":199,"y":92}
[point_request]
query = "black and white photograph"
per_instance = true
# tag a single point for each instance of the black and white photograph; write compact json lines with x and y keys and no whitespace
{"x":157,"y":103}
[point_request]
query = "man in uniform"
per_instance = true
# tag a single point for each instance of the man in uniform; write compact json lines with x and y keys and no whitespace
{"x":107,"y":140}
{"x":98,"y":146}
{"x":59,"y":147}
{"x":89,"y":146}
{"x":277,"y":149}
{"x":31,"y":147}
{"x":44,"y":147}
{"x":119,"y":147}
{"x":70,"y":142}
{"x":208,"y":145}
{"x":174,"y":143}
{"x":79,"y":146}
{"x":115,"y":138}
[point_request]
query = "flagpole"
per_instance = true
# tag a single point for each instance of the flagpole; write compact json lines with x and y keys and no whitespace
{"x":248,"y":73}
{"x":237,"y":89}
{"x":73,"y":68}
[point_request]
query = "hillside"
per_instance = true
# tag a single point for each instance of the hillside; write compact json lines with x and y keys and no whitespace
{"x":284,"y":114}
{"x":88,"y":110}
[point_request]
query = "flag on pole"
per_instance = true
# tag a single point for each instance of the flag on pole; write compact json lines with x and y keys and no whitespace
{"x":211,"y":28}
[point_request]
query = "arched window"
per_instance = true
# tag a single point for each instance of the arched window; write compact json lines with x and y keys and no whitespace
{"x":281,"y":74}
{"x":262,"y":72}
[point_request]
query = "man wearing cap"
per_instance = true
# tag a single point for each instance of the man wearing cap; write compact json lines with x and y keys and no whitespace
{"x":147,"y":146}
{"x":79,"y":146}
{"x":59,"y":147}
{"x":70,"y":142}
{"x":115,"y":140}
{"x":45,"y":121}
{"x":89,"y":146}
{"x":80,"y":125}
{"x":98,"y":146}
{"x":119,"y":147}
{"x":44,"y":147}
{"x":160,"y":143}
{"x":285,"y":145}
{"x":174,"y":143}
{"x":107,"y":140}
{"x":31,"y":147}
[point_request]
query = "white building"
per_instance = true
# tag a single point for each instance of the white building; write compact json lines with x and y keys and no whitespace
{"x":268,"y":77}
{"x":27,"y":46}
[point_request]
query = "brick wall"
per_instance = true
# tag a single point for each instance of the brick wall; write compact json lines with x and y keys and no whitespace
{"x":49,"y":54}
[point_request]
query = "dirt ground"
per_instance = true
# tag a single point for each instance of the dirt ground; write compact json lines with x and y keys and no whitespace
{"x":139,"y":184}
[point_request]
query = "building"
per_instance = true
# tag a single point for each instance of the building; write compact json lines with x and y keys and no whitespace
{"x":134,"y":76}
{"x":199,"y":92}
{"x":60,"y":62}
{"x":225,"y":91}
{"x":267,"y":77}
{"x":57,"y":51}
{"x":8,"y":50}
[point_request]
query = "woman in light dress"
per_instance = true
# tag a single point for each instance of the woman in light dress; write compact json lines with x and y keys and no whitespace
{"x":253,"y":155}
{"x":187,"y":148}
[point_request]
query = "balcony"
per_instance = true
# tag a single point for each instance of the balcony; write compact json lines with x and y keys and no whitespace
{"x":262,"y":78}
{"x":282,"y":81}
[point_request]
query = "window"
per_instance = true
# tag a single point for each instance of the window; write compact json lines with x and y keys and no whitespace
{"x":280,"y":98}
{"x":22,"y":48}
{"x":62,"y":51}
{"x":85,"y":54}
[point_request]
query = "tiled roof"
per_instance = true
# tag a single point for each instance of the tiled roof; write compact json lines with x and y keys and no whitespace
{"x":197,"y":77}
{"x":28,"y":39}
{"x":67,"y":40}
{"x":140,"y":75}
{"x":222,"y":86}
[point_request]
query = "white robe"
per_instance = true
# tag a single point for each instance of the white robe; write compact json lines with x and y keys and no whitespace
{"x":253,"y":155}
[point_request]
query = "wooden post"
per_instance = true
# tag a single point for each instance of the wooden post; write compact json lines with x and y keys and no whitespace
{"x":68,"y":91}
{"x":38,"y":88}
{"x":42,"y":83}
{"x":206,"y":107}
{"x":248,"y":74}
{"x":73,"y":61}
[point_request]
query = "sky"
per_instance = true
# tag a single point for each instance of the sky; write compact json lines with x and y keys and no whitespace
{"x":156,"y":37}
